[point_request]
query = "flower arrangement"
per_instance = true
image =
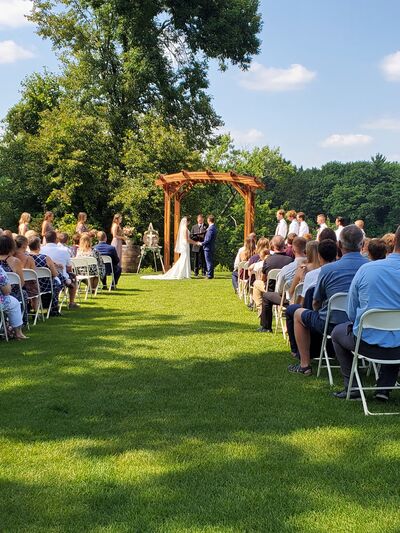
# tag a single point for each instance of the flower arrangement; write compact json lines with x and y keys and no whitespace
{"x":128,"y":231}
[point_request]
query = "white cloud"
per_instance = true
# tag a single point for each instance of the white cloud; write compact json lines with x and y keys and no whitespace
{"x":244,"y":137}
{"x":10,"y":52}
{"x":390,"y":66}
{"x":270,"y":79}
{"x":346,"y":140}
{"x":12,"y":13}
{"x":384,"y":123}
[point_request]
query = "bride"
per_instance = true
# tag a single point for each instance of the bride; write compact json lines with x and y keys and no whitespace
{"x":182,"y":268}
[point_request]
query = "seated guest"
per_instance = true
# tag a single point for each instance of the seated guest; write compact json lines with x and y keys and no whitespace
{"x":62,"y":241}
{"x":333,"y":278}
{"x":376,"y":249}
{"x":85,"y":250}
{"x":285,"y":276}
{"x":327,"y":233}
{"x":375,"y":286}
{"x":42,"y":260}
{"x":21,"y":253}
{"x":364,"y":251}
{"x":31,"y":233}
{"x":23,"y":225}
{"x":308,"y":237}
{"x":76,"y":237}
{"x":108,"y":249}
{"x":9,"y":263}
{"x":257,"y":267}
{"x":327,"y":251}
{"x":293,"y":223}
{"x":10,"y":306}
{"x":276,"y":259}
{"x":244,"y":254}
{"x":62,"y":262}
{"x":389,"y":239}
{"x":289,"y":244}
{"x":311,"y":263}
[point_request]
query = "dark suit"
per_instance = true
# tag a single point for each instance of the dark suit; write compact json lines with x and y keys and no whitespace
{"x":197,"y":234}
{"x":107,"y":249}
{"x":209,"y":249}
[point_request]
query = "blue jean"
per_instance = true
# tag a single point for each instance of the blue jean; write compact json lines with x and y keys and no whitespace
{"x":12,"y":308}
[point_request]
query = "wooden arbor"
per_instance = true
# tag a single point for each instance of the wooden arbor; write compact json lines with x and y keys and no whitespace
{"x":176,"y":186}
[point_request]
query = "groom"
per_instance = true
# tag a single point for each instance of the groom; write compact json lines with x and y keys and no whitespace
{"x":209,"y":245}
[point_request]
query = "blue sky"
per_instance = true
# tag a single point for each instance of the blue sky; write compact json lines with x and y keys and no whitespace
{"x":326,"y":85}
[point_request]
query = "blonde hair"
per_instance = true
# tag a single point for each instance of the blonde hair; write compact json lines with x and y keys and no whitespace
{"x":291,"y":214}
{"x":48,"y":214}
{"x":85,"y":242}
{"x":117,"y":218}
{"x":25,"y":218}
{"x":262,"y":243}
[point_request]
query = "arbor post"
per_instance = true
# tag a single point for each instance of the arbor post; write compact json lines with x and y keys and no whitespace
{"x":249,"y":213}
{"x":177,"y":218}
{"x":167,"y":227}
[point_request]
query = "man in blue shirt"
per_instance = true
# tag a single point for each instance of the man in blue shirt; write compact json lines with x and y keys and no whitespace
{"x":333,"y":278}
{"x":375,"y":286}
{"x":107,"y":249}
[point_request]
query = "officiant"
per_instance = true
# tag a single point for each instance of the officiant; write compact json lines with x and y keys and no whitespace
{"x":197,"y":234}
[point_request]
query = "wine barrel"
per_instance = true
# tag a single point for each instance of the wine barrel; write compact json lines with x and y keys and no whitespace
{"x":130,"y":257}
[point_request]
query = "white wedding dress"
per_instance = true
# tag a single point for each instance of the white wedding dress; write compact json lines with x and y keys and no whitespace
{"x":181,"y":269}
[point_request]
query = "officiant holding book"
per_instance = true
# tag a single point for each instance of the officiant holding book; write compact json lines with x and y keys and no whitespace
{"x":197,"y":234}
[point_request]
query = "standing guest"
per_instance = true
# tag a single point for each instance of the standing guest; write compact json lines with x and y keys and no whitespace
{"x":107,"y":249}
{"x":281,"y":228}
{"x":85,"y":250}
{"x":376,"y":249}
{"x":9,"y":263}
{"x":321,"y":221}
{"x":289,"y":244}
{"x":117,"y":234}
{"x":360,"y":224}
{"x":294,"y":225}
{"x":197,"y":234}
{"x":285,"y":276}
{"x":42,"y":260}
{"x":10,"y":306}
{"x":340,"y":224}
{"x":333,"y":278}
{"x":62,"y":261}
{"x":389,"y":239}
{"x":303,"y":226}
{"x":23,"y":226}
{"x":47,"y":224}
{"x":375,"y":286}
{"x":81,"y":226}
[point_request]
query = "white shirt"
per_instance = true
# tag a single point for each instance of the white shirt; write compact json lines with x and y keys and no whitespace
{"x":281,"y":228}
{"x":287,"y":273}
{"x":294,"y":227}
{"x":58,"y":255}
{"x":303,"y":228}
{"x":310,"y":280}
{"x":258,"y":266}
{"x":338,"y":232}
{"x":237,"y":258}
{"x":64,"y":247}
{"x":321,"y":227}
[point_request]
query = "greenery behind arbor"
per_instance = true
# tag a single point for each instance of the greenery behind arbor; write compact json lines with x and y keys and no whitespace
{"x":131,"y":101}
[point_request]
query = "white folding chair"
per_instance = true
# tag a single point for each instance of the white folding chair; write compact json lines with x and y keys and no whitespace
{"x":81,"y":267}
{"x":337,"y":302}
{"x":3,"y":325}
{"x":297,"y":292}
{"x":31,"y":275}
{"x":272,"y":275}
{"x":279,"y":311}
{"x":14,"y":279}
{"x":382,"y":320}
{"x":243,"y":283}
{"x":45,"y":273}
{"x":108,"y":261}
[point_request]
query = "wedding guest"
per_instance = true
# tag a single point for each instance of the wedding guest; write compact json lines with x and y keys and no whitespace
{"x":10,"y":306}
{"x":303,"y":226}
{"x":364,"y":251}
{"x":308,"y":237}
{"x":117,"y":234}
{"x":321,"y":221}
{"x":376,"y":249}
{"x":23,"y":226}
{"x":9,"y":263}
{"x":62,"y":241}
{"x":340,"y":224}
{"x":107,"y":249}
{"x":244,"y":254}
{"x":335,"y":277}
{"x":47,"y":224}
{"x":75,"y":244}
{"x":85,"y":250}
{"x":375,"y":286}
{"x":21,"y":252}
{"x":327,"y":233}
{"x":281,"y":228}
{"x":289,"y":244}
{"x":57,"y":281}
{"x":311,"y":263}
{"x":389,"y":239}
{"x":62,"y":261}
{"x":31,"y":233}
{"x":294,"y":225}
{"x":285,"y":277}
{"x":81,"y":226}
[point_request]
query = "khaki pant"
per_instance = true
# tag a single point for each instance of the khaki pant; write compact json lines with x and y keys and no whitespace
{"x":258,"y":291}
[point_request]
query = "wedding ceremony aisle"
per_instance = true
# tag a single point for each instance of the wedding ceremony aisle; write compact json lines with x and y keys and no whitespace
{"x":159,"y":408}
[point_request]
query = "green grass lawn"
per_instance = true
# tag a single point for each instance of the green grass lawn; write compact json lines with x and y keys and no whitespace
{"x":158,"y":408}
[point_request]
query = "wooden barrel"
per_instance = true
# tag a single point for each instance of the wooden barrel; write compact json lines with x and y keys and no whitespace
{"x":130,"y":257}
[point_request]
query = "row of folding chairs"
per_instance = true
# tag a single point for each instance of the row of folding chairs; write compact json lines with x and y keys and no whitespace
{"x":86,"y":269}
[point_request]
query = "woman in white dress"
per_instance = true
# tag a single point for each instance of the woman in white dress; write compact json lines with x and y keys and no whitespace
{"x":182,"y":268}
